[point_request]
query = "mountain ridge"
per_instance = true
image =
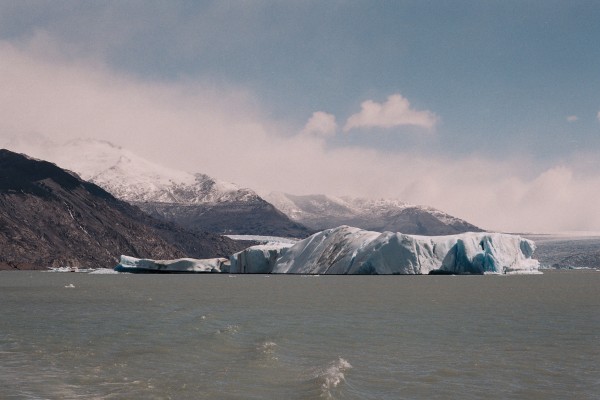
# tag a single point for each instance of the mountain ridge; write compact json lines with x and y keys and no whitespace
{"x":321,"y":212}
{"x":197,"y":201}
{"x":194,"y":201}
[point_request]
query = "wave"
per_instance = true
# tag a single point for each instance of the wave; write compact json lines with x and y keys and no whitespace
{"x":332,"y":376}
{"x":229,"y":329}
{"x":267,"y":347}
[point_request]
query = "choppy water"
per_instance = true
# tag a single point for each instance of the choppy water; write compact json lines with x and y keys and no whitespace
{"x":82,"y":336}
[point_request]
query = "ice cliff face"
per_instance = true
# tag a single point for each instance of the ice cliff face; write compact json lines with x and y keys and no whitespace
{"x":324,"y":212}
{"x":347,"y":250}
{"x":260,"y":259}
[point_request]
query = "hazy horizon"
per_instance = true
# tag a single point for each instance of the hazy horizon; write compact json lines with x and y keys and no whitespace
{"x":488,"y":111}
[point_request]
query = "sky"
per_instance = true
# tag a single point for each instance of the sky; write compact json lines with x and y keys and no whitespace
{"x":488,"y":110}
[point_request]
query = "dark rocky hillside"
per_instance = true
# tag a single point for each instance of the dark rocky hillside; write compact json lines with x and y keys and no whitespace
{"x":49,"y":217}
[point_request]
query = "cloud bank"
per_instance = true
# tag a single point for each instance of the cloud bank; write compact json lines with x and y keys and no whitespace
{"x":224,"y":132}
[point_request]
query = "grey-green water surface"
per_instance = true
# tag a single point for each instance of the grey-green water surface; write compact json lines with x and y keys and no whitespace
{"x":83,"y":336}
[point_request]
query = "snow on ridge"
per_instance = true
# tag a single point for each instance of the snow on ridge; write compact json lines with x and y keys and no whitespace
{"x":322,"y":211}
{"x":131,"y":177}
{"x":299,"y":207}
{"x":442,"y":216}
{"x":365,"y":204}
{"x":351,"y":206}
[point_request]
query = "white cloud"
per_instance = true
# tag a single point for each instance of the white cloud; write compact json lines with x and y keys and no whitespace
{"x":598,"y":115}
{"x":320,"y":124}
{"x":222,"y":131}
{"x":396,"y":111}
{"x":572,"y":118}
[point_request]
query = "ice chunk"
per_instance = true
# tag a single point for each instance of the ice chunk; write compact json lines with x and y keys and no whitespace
{"x":132,"y":264}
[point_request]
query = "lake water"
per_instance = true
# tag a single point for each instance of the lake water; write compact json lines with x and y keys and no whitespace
{"x":85,"y":336}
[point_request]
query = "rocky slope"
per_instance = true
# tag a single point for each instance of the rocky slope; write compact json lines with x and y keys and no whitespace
{"x":320,"y":212}
{"x":49,"y":217}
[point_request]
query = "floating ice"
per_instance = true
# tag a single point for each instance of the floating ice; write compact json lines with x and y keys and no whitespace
{"x":260,"y":259}
{"x":103,"y":271}
{"x":332,"y":375}
{"x":348,"y":250}
{"x":132,"y":264}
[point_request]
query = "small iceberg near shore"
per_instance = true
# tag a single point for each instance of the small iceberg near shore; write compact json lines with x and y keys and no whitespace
{"x":181,"y":265}
{"x":352,"y":251}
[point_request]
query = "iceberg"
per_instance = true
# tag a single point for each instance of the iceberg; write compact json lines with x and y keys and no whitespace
{"x":260,"y":259}
{"x":347,"y":250}
{"x":181,"y":265}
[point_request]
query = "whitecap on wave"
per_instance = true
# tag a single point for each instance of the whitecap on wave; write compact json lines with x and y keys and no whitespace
{"x":267,"y":347}
{"x":229,"y":329}
{"x":332,"y":376}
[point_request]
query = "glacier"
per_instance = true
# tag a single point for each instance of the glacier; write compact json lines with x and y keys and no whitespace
{"x":348,"y":250}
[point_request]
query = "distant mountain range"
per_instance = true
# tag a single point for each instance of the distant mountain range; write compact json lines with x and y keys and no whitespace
{"x":50,"y":217}
{"x":320,"y":212}
{"x":199,"y":202}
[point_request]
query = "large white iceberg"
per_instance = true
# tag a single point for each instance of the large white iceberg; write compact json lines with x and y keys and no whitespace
{"x":348,"y":250}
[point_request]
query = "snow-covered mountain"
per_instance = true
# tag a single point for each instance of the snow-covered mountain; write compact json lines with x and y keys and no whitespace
{"x":194,"y":201}
{"x":323,"y":212}
{"x":136,"y":179}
